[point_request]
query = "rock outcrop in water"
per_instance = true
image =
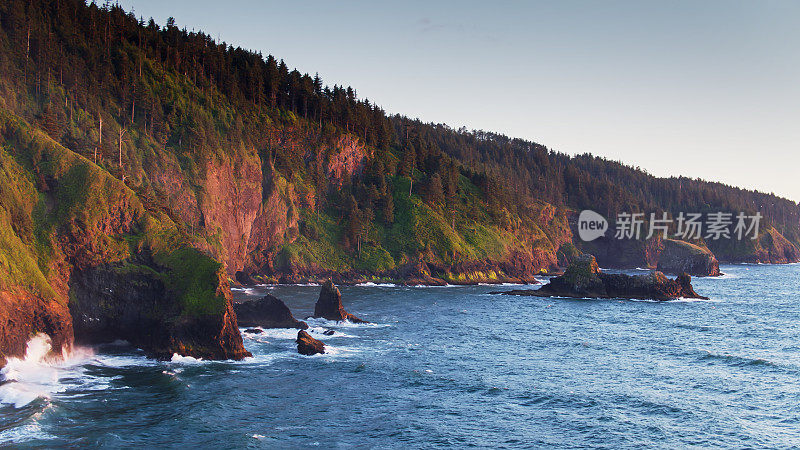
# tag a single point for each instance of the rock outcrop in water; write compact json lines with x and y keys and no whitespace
{"x":132,"y":303}
{"x":307,"y":345}
{"x":583,"y":279}
{"x":329,"y":305}
{"x":682,"y":257}
{"x":266,"y":312}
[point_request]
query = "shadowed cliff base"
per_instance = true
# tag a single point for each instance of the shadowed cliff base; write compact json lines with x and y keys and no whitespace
{"x":266,"y":312}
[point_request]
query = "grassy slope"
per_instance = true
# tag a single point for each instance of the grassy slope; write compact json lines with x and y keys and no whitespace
{"x":418,"y":229}
{"x":58,"y":208}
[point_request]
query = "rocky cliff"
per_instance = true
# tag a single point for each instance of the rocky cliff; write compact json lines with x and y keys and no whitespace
{"x":157,"y":150}
{"x":678,"y":257}
{"x":84,"y":258}
{"x":695,"y":258}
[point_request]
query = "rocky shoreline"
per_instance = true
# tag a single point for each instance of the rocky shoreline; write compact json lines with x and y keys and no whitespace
{"x":271,"y":312}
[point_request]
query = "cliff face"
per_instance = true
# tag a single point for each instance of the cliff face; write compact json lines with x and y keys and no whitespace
{"x":139,"y":302}
{"x":23,"y":314}
{"x":231,"y":201}
{"x":771,"y":247}
{"x":679,"y":257}
{"x":78,"y":245}
{"x":347,"y":157}
{"x":275,"y":224}
{"x":701,"y":259}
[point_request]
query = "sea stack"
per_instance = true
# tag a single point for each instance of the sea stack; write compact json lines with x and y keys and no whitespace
{"x":266,"y":312}
{"x":583,"y":279}
{"x":678,"y":257}
{"x":329,"y":305}
{"x":307,"y":345}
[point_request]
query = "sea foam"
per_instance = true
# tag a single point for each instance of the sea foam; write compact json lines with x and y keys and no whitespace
{"x":36,"y":375}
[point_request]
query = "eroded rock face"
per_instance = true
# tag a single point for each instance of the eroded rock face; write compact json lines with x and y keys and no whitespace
{"x":307,"y":345}
{"x":23,"y":314}
{"x":583,"y":279}
{"x":329,"y":305}
{"x":682,"y":257}
{"x":771,"y":247}
{"x":110,"y":303}
{"x":266,"y":312}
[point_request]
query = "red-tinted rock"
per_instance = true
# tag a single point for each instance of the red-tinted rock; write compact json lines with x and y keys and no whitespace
{"x":307,"y":345}
{"x":329,"y":305}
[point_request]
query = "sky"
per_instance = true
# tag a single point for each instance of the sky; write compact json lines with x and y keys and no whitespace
{"x":707,"y":89}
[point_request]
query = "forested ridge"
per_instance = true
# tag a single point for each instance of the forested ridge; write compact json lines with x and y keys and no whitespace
{"x":123,"y":91}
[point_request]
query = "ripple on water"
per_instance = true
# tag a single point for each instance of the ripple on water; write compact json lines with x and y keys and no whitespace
{"x":455,"y":368}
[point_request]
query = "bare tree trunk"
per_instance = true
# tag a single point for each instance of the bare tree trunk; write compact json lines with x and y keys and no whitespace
{"x":121,"y":135}
{"x":27,"y":50}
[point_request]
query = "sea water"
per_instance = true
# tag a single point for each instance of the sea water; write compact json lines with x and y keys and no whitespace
{"x":447,"y":367}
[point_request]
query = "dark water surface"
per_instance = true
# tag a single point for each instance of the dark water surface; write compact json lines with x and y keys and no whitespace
{"x":451,"y":366}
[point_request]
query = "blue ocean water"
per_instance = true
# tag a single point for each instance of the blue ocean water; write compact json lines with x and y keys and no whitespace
{"x":451,"y":367}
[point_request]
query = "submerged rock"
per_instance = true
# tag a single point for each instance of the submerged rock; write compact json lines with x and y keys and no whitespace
{"x":583,"y":279}
{"x":328,"y":332}
{"x":307,"y":345}
{"x":252,"y":331}
{"x":266,"y":312}
{"x":329,"y":305}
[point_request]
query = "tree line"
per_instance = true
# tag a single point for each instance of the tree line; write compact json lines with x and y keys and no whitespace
{"x":81,"y":64}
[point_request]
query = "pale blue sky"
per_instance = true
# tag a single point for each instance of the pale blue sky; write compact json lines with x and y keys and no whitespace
{"x":705,"y":89}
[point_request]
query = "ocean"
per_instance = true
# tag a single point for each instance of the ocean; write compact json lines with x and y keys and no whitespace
{"x":448,"y":367}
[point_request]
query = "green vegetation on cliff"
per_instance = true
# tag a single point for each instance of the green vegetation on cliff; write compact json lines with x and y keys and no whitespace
{"x":199,"y":144}
{"x":60,"y":212}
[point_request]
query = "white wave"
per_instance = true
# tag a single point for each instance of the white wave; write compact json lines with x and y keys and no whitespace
{"x":120,"y":361}
{"x":333,"y":351}
{"x":724,"y":276}
{"x":180,"y":359}
{"x":40,"y":374}
{"x":325,"y":323}
{"x":30,"y":431}
{"x":271,"y":333}
{"x":694,"y":300}
{"x":426,"y":286}
{"x":677,"y":300}
{"x":291,"y":333}
{"x":372,"y":284}
{"x":246,"y":290}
